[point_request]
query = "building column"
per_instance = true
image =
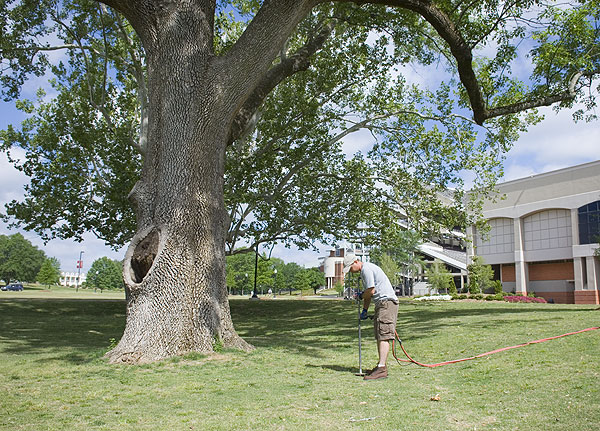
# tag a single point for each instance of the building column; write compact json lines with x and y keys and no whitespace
{"x":578,"y":262}
{"x":578,"y":270}
{"x":470,"y":244}
{"x":521,"y":269}
{"x":592,"y":272}
{"x":593,"y":280}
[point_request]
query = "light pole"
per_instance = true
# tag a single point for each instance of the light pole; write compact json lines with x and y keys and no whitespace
{"x":79,"y":266}
{"x":275,"y":279}
{"x":96,"y":282}
{"x":255,"y":293}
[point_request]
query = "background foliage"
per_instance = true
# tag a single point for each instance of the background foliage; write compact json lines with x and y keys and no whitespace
{"x":19,"y":259}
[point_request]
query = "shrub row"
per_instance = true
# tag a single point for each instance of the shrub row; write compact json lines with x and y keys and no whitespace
{"x":524,"y":299}
{"x":500,"y":297}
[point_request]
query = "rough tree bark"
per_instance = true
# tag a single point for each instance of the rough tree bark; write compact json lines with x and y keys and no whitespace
{"x":175,"y":265}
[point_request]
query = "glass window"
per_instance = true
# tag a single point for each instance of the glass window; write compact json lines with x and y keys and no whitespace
{"x":589,"y":223}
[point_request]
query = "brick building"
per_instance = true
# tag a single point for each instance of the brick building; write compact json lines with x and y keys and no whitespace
{"x":332,"y":266}
{"x":544,"y":233}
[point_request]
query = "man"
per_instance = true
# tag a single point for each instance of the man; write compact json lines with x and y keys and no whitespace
{"x":377,"y":287}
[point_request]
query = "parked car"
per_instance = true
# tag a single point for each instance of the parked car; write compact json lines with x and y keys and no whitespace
{"x":13,"y":286}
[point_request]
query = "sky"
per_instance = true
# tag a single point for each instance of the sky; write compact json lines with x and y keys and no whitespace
{"x":555,"y":143}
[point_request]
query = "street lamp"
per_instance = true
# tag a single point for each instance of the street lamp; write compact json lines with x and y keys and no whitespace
{"x":275,"y":279}
{"x":79,"y":266}
{"x":245,"y":283}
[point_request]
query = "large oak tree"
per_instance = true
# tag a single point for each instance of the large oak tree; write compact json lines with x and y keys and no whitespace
{"x":200,"y":94}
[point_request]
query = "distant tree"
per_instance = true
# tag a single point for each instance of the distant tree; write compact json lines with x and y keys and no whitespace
{"x":480,"y":275}
{"x":239,"y":269}
{"x":339,"y":287}
{"x":438,"y":276}
{"x":397,"y":245}
{"x":49,"y":272}
{"x":301,"y":280}
{"x":288,"y":274}
{"x":390,"y":267}
{"x":316,"y":278}
{"x":19,"y":259}
{"x":105,"y":274}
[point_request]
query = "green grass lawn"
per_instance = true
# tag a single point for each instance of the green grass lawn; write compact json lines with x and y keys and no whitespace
{"x":301,"y":375}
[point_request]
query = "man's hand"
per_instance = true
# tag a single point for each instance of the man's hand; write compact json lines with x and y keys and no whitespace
{"x":360,"y":295}
{"x":363,"y":315}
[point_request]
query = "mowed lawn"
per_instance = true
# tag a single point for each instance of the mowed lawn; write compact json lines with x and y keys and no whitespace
{"x":301,"y":375}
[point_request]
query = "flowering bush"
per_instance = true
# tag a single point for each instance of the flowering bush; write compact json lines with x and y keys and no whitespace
{"x":523,"y":299}
{"x":434,"y":298}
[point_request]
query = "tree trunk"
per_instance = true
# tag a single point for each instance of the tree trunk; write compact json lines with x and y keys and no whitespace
{"x":175,"y":265}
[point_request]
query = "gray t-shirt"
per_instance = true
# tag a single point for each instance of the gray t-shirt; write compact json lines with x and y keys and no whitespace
{"x":373,"y":276}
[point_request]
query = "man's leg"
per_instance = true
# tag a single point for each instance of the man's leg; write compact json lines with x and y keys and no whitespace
{"x":383,"y":348}
{"x":384,"y":325}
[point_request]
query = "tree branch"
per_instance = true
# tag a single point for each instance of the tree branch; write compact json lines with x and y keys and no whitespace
{"x":289,"y":65}
{"x":251,"y":57}
{"x":564,"y":96}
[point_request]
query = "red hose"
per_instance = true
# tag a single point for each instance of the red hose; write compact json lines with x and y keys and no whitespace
{"x":477,"y":356}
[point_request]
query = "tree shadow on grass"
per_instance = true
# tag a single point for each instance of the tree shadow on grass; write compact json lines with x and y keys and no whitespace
{"x":75,"y":331}
{"x":79,"y":331}
{"x":338,"y":368}
{"x":313,"y":327}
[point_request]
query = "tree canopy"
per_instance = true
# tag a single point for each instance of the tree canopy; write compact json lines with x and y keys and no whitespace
{"x":19,"y":259}
{"x":105,"y":274}
{"x":342,"y":70}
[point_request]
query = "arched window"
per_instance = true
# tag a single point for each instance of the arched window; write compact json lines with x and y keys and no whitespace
{"x":589,"y":223}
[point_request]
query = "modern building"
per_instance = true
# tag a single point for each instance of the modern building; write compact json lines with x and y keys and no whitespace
{"x":543,"y":235}
{"x":453,"y":257}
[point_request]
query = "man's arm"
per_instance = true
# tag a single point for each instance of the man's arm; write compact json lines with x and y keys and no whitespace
{"x":367,"y":294}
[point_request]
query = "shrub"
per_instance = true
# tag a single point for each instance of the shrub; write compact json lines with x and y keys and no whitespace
{"x":452,"y":287}
{"x":497,"y":287}
{"x":480,"y":275}
{"x":477,"y":296}
{"x":474,"y":288}
{"x":524,"y":299}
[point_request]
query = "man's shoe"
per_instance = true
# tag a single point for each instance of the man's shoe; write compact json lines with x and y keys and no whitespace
{"x":369,"y":372}
{"x":377,"y":373}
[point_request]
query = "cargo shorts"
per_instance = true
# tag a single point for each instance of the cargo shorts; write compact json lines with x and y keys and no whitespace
{"x":384,"y":321}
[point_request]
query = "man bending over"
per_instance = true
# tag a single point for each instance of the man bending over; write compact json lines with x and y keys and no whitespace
{"x":379,"y":289}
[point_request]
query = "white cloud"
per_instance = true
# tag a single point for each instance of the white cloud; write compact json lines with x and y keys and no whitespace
{"x":557,"y":142}
{"x":11,"y":179}
{"x":358,"y":142}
